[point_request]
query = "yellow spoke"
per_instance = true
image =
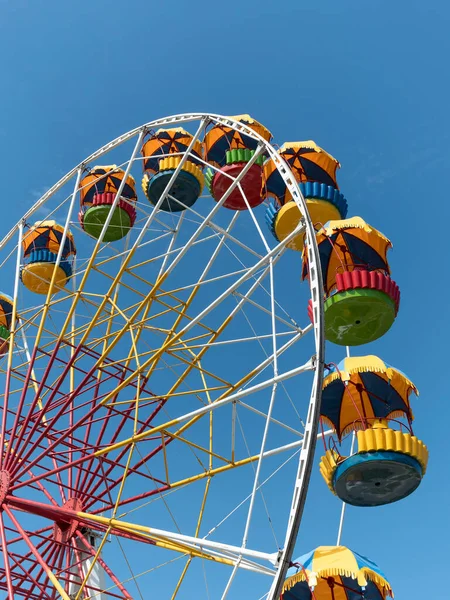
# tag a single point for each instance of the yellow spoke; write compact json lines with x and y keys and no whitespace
{"x":174,"y":395}
{"x":194,"y":364}
{"x":197,"y":446}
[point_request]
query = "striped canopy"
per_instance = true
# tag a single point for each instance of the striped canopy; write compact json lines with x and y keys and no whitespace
{"x":335,"y":573}
{"x":165,"y":142}
{"x":221,"y":138}
{"x":361,"y":389}
{"x":107,"y":179}
{"x":47,"y":235}
{"x":308,"y":162}
{"x":346,"y":245}
{"x":6,"y":307}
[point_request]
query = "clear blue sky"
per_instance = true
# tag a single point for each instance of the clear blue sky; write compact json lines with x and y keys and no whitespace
{"x":366,"y":80}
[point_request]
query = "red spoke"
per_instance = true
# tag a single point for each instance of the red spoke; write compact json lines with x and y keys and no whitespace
{"x":6,"y":558}
{"x":44,"y":490}
{"x":132,"y":499}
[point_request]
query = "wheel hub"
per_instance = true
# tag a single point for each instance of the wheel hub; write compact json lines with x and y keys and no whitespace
{"x":63,"y":531}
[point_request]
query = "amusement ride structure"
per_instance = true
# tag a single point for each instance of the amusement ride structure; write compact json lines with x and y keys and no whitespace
{"x":162,"y":379}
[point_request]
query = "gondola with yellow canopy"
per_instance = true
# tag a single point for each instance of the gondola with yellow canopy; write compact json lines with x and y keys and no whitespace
{"x":361,"y":299}
{"x":335,"y":573}
{"x":6,"y":310}
{"x":315,"y":172}
{"x":98,"y":190}
{"x":365,"y":395}
{"x":230,"y":150}
{"x":41,"y":244}
{"x":163,"y":152}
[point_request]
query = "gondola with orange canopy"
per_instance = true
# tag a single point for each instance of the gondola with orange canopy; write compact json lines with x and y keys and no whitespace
{"x":361,"y":299}
{"x":41,"y":244}
{"x":315,"y":172}
{"x":363,"y":394}
{"x":163,"y":152}
{"x":229,"y":149}
{"x":98,"y":191}
{"x":6,"y":310}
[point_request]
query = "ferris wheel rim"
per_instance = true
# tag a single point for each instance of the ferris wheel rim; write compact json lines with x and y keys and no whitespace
{"x":316,"y":289}
{"x":169,"y":120}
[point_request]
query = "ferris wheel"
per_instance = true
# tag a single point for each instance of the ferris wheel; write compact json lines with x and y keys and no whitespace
{"x":164,"y":388}
{"x":162,"y":380}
